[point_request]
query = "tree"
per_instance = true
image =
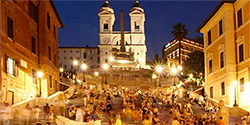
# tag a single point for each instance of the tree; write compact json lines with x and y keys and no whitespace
{"x":198,"y":39}
{"x":179,"y":33}
{"x":194,"y":65}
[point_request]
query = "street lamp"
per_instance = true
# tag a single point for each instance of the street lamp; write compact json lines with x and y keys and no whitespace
{"x":105,"y":67}
{"x":154,"y":77}
{"x":191,"y":76}
{"x":235,"y":85}
{"x":159,"y":70}
{"x":84,"y":67}
{"x":40,"y":75}
{"x":96,"y":73}
{"x":61,"y":72}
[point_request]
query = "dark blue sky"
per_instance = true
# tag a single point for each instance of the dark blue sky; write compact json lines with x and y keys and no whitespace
{"x":82,"y":22}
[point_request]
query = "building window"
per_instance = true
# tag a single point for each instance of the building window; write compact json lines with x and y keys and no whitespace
{"x":210,"y":66}
{"x":50,"y":81}
{"x":11,"y":66}
{"x":65,"y":67}
{"x":220,"y":27}
{"x":64,"y":58}
{"x":54,"y":31}
{"x":10,"y":28}
{"x":90,"y":51}
{"x":105,"y":26}
{"x":34,"y":80}
{"x":55,"y":60}
{"x":33,"y":44}
{"x":223,"y":88}
{"x":242,"y":85}
{"x":209,"y":37}
{"x":84,"y":55}
{"x":91,"y":58}
{"x":49,"y":49}
{"x":137,"y":26}
{"x":211,"y":92}
{"x":239,"y":17}
{"x":71,"y":58}
{"x":221,"y":59}
{"x":98,"y":59}
{"x":106,"y":60}
{"x":71,"y":67}
{"x":48,"y":21}
{"x":33,"y":11}
{"x":56,"y":85}
{"x":70,"y":51}
{"x":64,"y":51}
{"x":77,"y":51}
{"x":186,"y":48}
{"x":241,"y":53}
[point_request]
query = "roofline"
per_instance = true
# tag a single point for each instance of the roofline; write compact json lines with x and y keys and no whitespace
{"x":57,"y":14}
{"x":213,"y":13}
{"x":78,"y":47}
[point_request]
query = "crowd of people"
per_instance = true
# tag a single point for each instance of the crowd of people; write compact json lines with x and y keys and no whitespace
{"x":137,"y":106}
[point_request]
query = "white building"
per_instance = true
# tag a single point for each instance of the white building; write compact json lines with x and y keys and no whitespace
{"x":88,"y":55}
{"x":134,"y":40}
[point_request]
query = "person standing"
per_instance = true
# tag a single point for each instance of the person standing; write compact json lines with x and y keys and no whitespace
{"x":37,"y":113}
{"x":7,"y":114}
{"x":221,"y":121}
{"x":79,"y":114}
{"x":46,"y":110}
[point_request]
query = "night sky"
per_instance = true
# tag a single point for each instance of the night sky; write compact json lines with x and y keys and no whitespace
{"x":82,"y":22}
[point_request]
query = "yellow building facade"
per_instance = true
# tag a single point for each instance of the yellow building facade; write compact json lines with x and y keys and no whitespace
{"x":227,"y":53}
{"x":28,"y":44}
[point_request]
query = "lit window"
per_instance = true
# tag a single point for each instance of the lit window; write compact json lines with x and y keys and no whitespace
{"x":11,"y":66}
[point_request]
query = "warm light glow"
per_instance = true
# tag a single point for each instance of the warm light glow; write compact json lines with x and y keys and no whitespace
{"x":180,"y":68}
{"x":174,"y":70}
{"x":39,"y":74}
{"x":84,"y":66}
{"x":154,"y":76}
{"x":140,"y":60}
{"x":96,"y":73}
{"x":159,"y":69}
{"x":61,"y":69}
{"x":105,"y":66}
{"x":235,"y":82}
{"x":75,"y":62}
{"x":191,"y":76}
{"x":111,"y":58}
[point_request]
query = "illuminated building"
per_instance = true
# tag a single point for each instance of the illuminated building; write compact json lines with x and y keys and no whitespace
{"x":29,"y":43}
{"x":226,"y":47}
{"x":126,"y":48}
{"x":89,"y":55}
{"x":171,"y":50}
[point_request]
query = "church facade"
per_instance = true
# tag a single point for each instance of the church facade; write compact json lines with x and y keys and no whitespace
{"x":134,"y":40}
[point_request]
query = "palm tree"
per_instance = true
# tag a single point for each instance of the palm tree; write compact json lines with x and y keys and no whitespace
{"x":179,"y":33}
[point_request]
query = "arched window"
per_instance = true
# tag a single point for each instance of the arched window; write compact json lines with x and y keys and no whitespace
{"x":137,"y":25}
{"x":105,"y":25}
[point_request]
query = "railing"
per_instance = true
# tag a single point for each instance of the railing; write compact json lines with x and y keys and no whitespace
{"x":65,"y":121}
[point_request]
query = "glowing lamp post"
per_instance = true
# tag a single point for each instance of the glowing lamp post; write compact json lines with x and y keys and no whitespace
{"x":61,"y":72}
{"x":159,"y":70}
{"x":84,"y":67}
{"x":105,"y":67}
{"x":235,"y":92}
{"x":40,"y":75}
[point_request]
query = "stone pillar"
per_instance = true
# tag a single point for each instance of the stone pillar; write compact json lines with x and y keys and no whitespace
{"x":223,"y":113}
